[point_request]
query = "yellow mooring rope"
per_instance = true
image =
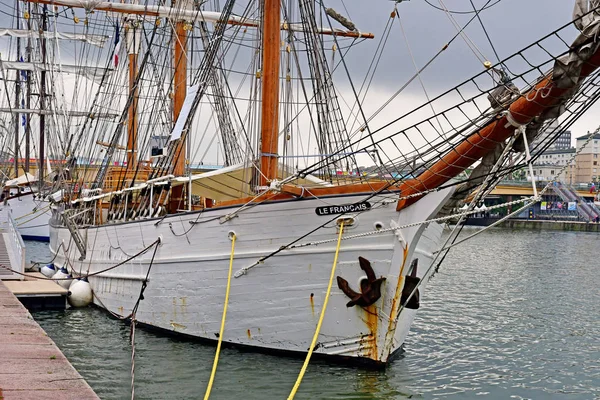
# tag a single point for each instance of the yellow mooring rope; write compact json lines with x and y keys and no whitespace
{"x":321,"y":317}
{"x":214,"y":368}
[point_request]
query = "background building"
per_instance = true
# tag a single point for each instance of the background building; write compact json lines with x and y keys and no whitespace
{"x":587,"y":168}
{"x":562,"y":142}
{"x":550,"y":163}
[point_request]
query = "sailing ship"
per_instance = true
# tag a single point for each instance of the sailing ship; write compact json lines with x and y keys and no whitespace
{"x":155,"y":238}
{"x":30,"y":71}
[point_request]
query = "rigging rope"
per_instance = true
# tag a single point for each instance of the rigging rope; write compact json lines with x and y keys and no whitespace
{"x":155,"y":243}
{"x":321,"y":317}
{"x":531,"y":201}
{"x":222,"y":330}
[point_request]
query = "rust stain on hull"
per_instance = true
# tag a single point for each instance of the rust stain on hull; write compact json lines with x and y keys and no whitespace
{"x":396,"y":299}
{"x":372,"y":321}
{"x":176,"y":326}
{"x":249,"y":334}
{"x":312,"y":303}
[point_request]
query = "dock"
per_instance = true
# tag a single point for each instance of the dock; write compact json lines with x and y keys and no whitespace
{"x":38,"y":294}
{"x":33,"y":289}
{"x":31,"y":365}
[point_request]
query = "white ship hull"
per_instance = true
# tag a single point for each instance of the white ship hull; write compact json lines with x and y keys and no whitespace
{"x":275,"y":305}
{"x":31,"y":215}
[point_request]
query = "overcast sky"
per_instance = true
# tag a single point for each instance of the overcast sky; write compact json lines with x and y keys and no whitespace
{"x":511,"y":25}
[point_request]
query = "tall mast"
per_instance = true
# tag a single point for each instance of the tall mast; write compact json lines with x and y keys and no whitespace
{"x":28,"y":104}
{"x":180,"y":89}
{"x":270,"y":91}
{"x":17,"y":99}
{"x":133,"y":40}
{"x":42,"y":103}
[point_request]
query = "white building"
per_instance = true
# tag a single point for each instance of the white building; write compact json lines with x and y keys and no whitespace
{"x":550,"y":163}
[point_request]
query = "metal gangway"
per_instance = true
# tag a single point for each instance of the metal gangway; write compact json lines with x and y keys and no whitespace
{"x":12,"y":248}
{"x":587,"y":211}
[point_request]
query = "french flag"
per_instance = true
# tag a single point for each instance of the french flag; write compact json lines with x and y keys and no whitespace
{"x":117,"y":44}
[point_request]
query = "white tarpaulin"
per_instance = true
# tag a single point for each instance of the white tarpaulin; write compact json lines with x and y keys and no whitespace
{"x":21,"y":180}
{"x":185,"y":112}
{"x":234,"y":182}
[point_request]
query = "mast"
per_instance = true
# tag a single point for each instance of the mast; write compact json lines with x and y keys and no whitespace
{"x":132,"y":120}
{"x":17,"y":100}
{"x":42,"y":104}
{"x":28,"y":104}
{"x":270,"y":92}
{"x":180,"y":89}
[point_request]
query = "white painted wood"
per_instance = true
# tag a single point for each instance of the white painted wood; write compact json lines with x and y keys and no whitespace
{"x":275,"y":305}
{"x":31,"y":215}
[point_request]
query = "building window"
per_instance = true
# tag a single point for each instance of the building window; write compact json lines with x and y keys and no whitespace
{"x":595,"y":162}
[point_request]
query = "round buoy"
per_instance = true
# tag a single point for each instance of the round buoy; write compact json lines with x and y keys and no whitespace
{"x":48,"y":270}
{"x":80,"y":293}
{"x":63,"y":278}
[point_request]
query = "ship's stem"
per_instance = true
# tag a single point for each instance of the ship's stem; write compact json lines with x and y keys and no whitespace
{"x":270,"y":91}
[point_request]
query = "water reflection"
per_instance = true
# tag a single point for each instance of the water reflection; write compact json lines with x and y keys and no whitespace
{"x":511,"y":314}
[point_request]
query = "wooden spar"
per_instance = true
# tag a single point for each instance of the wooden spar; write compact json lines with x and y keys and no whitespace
{"x":270,"y":92}
{"x":106,"y":144}
{"x":188,"y":15}
{"x":522,"y":111}
{"x":132,"y":120}
{"x":179,"y":93}
{"x":180,"y":90}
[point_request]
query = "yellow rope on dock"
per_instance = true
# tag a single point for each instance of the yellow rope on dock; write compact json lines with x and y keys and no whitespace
{"x":321,"y":317}
{"x":214,"y":368}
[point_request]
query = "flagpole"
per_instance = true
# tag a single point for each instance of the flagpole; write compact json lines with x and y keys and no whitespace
{"x":28,"y":77}
{"x":42,"y":103}
{"x":17,"y":99}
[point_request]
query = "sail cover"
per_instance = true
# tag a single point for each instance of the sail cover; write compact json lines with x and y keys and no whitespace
{"x":234,"y":182}
{"x":581,"y":13}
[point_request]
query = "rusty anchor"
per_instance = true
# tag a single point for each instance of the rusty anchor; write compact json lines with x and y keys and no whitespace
{"x":370,"y":288}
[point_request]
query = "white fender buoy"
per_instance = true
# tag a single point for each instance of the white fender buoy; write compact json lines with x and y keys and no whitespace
{"x":80,"y":293}
{"x":63,"y":278}
{"x":48,"y":270}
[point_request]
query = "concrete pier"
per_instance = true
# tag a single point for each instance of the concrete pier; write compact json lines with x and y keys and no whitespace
{"x":540,"y":225}
{"x":31,"y":365}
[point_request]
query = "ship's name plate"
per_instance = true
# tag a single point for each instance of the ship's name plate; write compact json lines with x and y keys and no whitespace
{"x":332,"y":210}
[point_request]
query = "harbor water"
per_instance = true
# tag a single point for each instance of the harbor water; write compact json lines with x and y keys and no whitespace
{"x":510,"y":315}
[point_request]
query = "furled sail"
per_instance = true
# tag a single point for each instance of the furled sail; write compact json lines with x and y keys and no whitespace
{"x":70,"y":113}
{"x":188,"y":15}
{"x":95,"y":73}
{"x":581,"y":13}
{"x":96,"y":40}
